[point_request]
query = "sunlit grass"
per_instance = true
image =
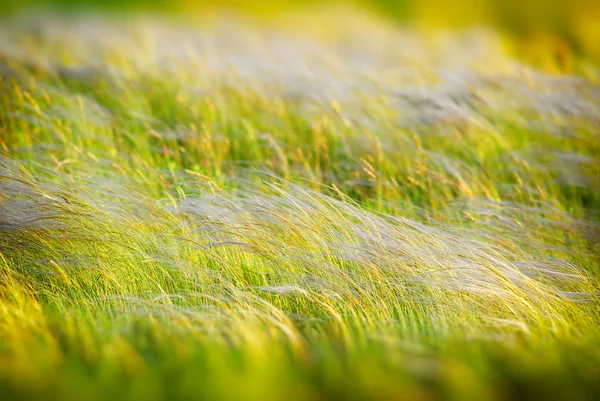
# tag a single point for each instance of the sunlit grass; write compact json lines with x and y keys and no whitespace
{"x":228,"y":211}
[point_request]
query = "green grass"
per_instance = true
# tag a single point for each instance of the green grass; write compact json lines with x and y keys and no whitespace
{"x":225,"y":212}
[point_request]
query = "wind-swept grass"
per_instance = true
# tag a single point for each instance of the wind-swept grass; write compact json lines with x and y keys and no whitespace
{"x":229,"y":212}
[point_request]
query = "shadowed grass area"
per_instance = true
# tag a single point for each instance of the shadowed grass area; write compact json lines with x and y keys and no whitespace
{"x":228,"y":211}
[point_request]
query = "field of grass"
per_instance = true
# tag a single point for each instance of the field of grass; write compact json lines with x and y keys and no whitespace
{"x":309,"y":208}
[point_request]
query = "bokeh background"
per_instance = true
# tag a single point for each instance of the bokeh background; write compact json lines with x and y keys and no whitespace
{"x":539,"y":30}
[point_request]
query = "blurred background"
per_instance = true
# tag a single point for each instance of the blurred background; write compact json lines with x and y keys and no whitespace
{"x":546,"y":33}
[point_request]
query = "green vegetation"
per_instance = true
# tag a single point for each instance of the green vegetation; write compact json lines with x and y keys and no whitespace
{"x":220,"y":211}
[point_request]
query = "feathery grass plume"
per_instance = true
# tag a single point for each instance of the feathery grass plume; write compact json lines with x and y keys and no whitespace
{"x":241,"y":212}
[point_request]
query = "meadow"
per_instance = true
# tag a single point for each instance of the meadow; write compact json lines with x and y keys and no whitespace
{"x":305,"y":208}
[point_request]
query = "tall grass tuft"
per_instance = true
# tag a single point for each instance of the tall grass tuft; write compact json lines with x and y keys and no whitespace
{"x":228,"y":212}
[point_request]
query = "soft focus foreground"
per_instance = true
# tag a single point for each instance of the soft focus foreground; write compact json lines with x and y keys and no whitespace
{"x":223,"y":209}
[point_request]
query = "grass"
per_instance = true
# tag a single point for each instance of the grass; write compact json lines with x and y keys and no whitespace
{"x":232,"y":212}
